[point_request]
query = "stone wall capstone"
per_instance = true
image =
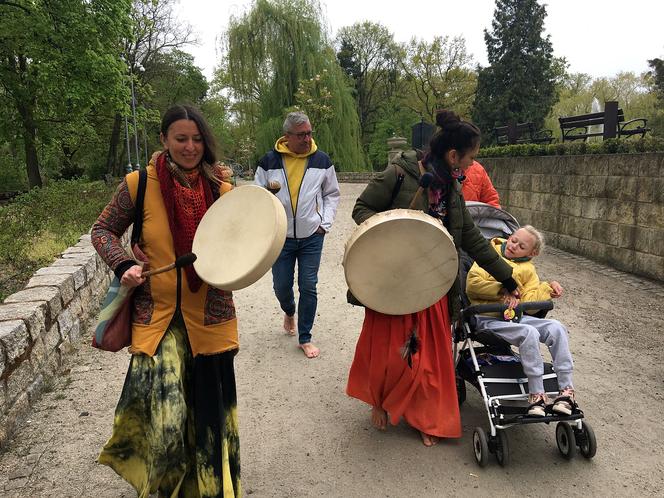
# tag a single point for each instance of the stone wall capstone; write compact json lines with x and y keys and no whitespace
{"x":40,"y":324}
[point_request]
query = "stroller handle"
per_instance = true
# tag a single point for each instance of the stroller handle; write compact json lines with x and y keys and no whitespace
{"x":500,"y":307}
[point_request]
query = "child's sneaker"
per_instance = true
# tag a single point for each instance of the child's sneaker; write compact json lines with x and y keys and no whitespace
{"x":564,"y":404}
{"x":537,"y":404}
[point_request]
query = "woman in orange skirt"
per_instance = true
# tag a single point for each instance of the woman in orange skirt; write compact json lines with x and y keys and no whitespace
{"x":403,"y":365}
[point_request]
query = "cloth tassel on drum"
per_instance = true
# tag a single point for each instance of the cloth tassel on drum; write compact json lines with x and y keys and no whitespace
{"x":410,"y":347}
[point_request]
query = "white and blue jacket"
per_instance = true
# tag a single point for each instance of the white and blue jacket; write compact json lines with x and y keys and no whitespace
{"x":318,"y":197}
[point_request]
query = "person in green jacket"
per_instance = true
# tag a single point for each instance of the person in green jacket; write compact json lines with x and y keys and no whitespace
{"x":424,"y":392}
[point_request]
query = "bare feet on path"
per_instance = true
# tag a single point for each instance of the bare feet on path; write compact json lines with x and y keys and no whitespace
{"x":428,"y":440}
{"x":310,"y":350}
{"x":379,"y":418}
{"x":289,"y":325}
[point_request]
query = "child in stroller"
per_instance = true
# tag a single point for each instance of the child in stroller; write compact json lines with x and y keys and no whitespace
{"x":518,"y":250}
{"x":494,"y":368}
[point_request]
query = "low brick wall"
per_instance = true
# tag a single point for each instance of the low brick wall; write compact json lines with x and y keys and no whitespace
{"x":609,"y":208}
{"x":41,"y":323}
{"x":355,"y":176}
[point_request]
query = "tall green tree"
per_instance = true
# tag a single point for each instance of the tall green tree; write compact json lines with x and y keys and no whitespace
{"x":657,"y":73}
{"x":270,"y":52}
{"x":439,"y":75}
{"x":519,"y":83}
{"x":655,"y":78}
{"x":58,"y":67}
{"x":370,"y":57}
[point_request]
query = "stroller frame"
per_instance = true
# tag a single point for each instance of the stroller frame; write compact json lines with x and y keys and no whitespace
{"x":503,"y":387}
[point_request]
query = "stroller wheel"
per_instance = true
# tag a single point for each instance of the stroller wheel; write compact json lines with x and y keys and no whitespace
{"x":461,"y":390}
{"x":585,"y":439}
{"x":480,"y":447}
{"x":502,"y":448}
{"x":566,"y":440}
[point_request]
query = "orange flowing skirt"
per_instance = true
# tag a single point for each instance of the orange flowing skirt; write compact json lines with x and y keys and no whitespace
{"x":424,"y":395}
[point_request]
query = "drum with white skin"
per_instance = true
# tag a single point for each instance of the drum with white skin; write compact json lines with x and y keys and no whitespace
{"x":239,"y":238}
{"x":400,"y":261}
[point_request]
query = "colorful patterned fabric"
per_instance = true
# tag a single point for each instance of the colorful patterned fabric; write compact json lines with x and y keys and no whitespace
{"x":114,"y":220}
{"x":439,"y":191}
{"x":175,"y":430}
{"x":185,"y":206}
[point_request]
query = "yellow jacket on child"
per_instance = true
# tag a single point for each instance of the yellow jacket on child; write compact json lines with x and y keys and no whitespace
{"x":482,"y":288}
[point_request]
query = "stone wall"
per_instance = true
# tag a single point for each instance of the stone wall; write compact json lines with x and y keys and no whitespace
{"x":40,"y":324}
{"x":609,"y":208}
{"x":355,"y":176}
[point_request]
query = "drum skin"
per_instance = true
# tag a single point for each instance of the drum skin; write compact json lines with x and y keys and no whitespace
{"x":239,"y":238}
{"x":400,"y":261}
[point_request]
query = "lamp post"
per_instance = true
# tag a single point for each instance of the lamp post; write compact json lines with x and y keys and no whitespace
{"x":128,"y":167}
{"x":133,"y":112}
{"x":145,"y":143}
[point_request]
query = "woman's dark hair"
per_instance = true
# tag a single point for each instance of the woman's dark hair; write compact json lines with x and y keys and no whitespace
{"x":454,"y":133}
{"x":177,"y":112}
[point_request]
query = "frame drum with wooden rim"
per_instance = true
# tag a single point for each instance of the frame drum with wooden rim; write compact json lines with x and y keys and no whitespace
{"x":400,"y":261}
{"x":239,"y":238}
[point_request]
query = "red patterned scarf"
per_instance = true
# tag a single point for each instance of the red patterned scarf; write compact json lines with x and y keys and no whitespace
{"x":185,"y":206}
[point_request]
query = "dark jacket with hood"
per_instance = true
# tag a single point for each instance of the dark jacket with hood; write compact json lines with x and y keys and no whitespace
{"x":377,"y":197}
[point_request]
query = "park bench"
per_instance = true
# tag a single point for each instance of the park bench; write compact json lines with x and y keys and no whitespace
{"x":613,"y":119}
{"x":522,"y":133}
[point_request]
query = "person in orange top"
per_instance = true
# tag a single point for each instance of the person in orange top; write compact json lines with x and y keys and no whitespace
{"x":477,"y":186}
{"x":175,"y":430}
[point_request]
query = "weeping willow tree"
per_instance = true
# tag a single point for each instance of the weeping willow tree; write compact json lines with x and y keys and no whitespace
{"x":277,"y":60}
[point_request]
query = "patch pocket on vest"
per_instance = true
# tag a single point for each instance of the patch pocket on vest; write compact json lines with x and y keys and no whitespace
{"x":143,"y":304}
{"x":219,"y":306}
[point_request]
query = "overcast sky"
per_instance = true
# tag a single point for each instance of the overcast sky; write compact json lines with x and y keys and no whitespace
{"x":598,"y":37}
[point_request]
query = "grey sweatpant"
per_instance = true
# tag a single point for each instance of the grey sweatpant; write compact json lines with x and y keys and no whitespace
{"x":526,"y":335}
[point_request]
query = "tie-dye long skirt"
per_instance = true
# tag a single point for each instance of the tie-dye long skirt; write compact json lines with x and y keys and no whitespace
{"x":175,"y":431}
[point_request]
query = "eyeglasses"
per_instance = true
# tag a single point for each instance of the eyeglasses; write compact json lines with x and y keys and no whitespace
{"x":302,"y":134}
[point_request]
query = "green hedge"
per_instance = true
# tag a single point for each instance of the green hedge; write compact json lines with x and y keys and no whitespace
{"x":609,"y":146}
{"x":40,"y":224}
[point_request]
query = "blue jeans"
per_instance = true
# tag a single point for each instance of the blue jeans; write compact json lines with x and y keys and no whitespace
{"x":307,"y":253}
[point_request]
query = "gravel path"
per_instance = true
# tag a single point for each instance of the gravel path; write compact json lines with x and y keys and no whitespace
{"x":302,"y":436}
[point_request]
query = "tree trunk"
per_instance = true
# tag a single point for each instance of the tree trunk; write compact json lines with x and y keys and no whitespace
{"x":30,"y":144}
{"x":112,"y":167}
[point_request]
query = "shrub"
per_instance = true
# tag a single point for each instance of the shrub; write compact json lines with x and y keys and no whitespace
{"x":609,"y":146}
{"x":41,"y":223}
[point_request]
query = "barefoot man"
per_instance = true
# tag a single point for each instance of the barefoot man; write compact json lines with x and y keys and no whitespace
{"x":310,"y":194}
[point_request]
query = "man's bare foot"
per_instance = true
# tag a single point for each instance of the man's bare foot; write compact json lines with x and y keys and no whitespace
{"x":289,"y":325}
{"x":379,"y":418}
{"x":310,"y":350}
{"x":428,"y":439}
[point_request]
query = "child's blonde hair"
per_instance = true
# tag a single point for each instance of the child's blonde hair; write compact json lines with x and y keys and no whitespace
{"x":538,"y":248}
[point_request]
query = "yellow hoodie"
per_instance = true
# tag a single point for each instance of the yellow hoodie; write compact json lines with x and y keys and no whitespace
{"x":295,"y":166}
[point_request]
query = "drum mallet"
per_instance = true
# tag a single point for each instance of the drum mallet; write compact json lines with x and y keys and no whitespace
{"x":184,"y":260}
{"x":274,"y":186}
{"x":425,"y":181}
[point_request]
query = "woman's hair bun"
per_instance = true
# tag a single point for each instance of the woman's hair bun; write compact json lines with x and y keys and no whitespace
{"x":445,"y":118}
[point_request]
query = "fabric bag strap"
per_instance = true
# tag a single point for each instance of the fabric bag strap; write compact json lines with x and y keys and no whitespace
{"x":138,"y":212}
{"x":397,"y":186}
